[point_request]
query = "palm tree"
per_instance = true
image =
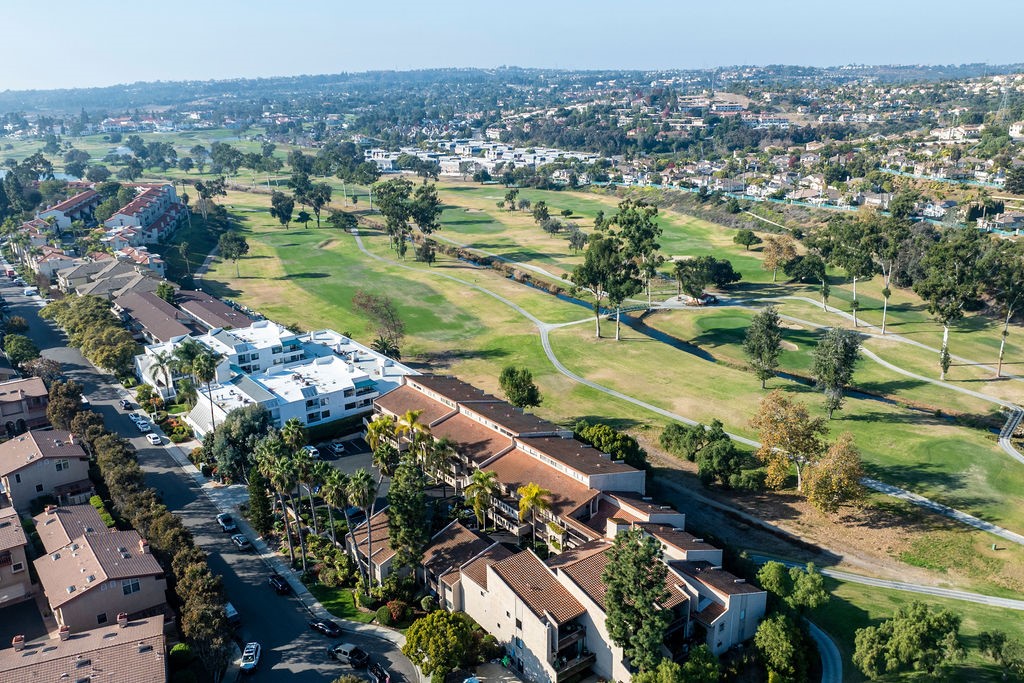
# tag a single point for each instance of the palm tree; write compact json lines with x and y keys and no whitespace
{"x":532,"y":498}
{"x":319,"y":473}
{"x":183,"y":249}
{"x":438,"y":458}
{"x":204,"y":367}
{"x":410,"y":426}
{"x":335,"y":495}
{"x":293,"y":434}
{"x":302,"y":461}
{"x":362,"y":493}
{"x":483,"y":485}
{"x":385,"y":458}
{"x":163,"y":362}
{"x":386,"y":347}
{"x":277,"y":470}
{"x":380,"y":430}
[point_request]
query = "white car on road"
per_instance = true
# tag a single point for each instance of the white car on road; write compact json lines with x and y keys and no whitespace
{"x":154,"y":439}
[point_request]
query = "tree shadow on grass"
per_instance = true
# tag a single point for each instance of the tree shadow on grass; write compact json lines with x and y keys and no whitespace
{"x":304,"y":276}
{"x":915,"y":417}
{"x":443,"y":360}
{"x":666,"y":338}
{"x":620,"y":423}
{"x":482,"y":219}
{"x":891,"y":513}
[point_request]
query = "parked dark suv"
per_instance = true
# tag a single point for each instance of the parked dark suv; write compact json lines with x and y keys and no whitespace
{"x":279,"y":584}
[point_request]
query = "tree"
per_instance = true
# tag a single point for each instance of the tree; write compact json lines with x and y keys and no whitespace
{"x":835,"y":356}
{"x":281,"y":207}
{"x":303,"y":218}
{"x":1003,"y":265}
{"x":64,"y":402}
{"x":383,"y":313}
{"x":438,"y":643}
{"x":233,"y":246}
{"x":342,"y":220}
{"x":540,"y":212}
{"x":317,"y":197}
{"x":778,"y":251}
{"x":269,"y":454}
{"x":694,"y":274}
{"x":392,"y":197}
{"x":1008,"y":653}
{"x":16,"y":324}
{"x":111,"y":347}
{"x":604,"y":273}
{"x":235,"y":439}
{"x":747,"y":238}
{"x":916,"y":638}
{"x":517,"y":383}
{"x":407,"y":513}
{"x":362,"y":493}
{"x":640,"y":233}
{"x":952,"y":281}
{"x":781,"y":644}
{"x":204,"y":367}
{"x":425,"y":209}
{"x":532,"y":497}
{"x":711,"y":448}
{"x":619,"y":445}
{"x":634,"y":580}
{"x":44,"y":368}
{"x":886,"y":245}
{"x":1014,"y":180}
{"x":165,"y":290}
{"x":482,"y":487}
{"x":425,"y":253}
{"x":834,"y":480}
{"x":701,"y":666}
{"x":510,"y":199}
{"x":207,"y":191}
{"x":20,"y":349}
{"x":789,"y":436}
{"x":260,"y":514}
{"x":763,"y":343}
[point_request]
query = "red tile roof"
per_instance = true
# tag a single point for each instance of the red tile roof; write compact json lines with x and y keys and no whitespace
{"x":518,"y":468}
{"x":405,"y":398}
{"x":477,"y":569}
{"x":537,"y":587}
{"x":74,"y":203}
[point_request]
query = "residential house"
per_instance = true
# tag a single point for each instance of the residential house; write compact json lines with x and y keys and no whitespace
{"x":77,"y":208}
{"x":99,"y":575}
{"x":49,"y":260}
{"x":44,"y":463}
{"x":123,"y":652}
{"x":450,"y":549}
{"x":15,"y":582}
{"x":155,"y":210}
{"x":59,"y":525}
{"x":1017,"y":130}
{"x":23,"y":405}
{"x":370,"y":543}
{"x":141,"y":256}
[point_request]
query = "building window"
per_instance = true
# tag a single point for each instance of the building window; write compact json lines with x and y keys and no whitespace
{"x":130,"y":586}
{"x":519,"y":623}
{"x":39,"y":488}
{"x":721,"y":627}
{"x":101,"y":618}
{"x":325,"y":414}
{"x":17,"y":478}
{"x":63,"y":465}
{"x":17,"y":567}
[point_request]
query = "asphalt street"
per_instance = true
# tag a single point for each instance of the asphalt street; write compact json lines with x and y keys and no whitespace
{"x":290,"y":649}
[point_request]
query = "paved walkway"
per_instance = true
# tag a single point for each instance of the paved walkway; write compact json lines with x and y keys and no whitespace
{"x":831,"y":659}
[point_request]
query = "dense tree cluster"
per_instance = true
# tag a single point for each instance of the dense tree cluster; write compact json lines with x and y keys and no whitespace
{"x":93,"y":328}
{"x":617,"y":444}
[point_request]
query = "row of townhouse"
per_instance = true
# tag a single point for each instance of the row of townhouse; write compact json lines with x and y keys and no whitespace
{"x":317,"y":377}
{"x":550,"y":615}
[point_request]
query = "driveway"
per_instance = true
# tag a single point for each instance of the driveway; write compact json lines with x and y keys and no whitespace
{"x":290,"y":648}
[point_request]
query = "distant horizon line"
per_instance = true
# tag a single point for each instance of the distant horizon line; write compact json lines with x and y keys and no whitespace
{"x":664,"y":70}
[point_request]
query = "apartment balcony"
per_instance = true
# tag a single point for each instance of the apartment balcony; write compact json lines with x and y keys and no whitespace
{"x":566,"y":669}
{"x":569,"y":635}
{"x":516,"y":527}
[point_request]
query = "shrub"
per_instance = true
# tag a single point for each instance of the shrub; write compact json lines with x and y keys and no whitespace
{"x":184,"y":676}
{"x":364,"y":600}
{"x":180,"y":656}
{"x":398,"y":608}
{"x":384,"y":616}
{"x":428,"y":604}
{"x":144,"y":394}
{"x":329,"y":577}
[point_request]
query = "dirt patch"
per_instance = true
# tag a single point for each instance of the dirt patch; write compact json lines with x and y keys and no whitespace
{"x":473,"y":210}
{"x":789,"y":346}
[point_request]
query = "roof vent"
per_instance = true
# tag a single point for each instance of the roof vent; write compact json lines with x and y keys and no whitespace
{"x":70,"y":589}
{"x":18,"y":642}
{"x":122,"y":619}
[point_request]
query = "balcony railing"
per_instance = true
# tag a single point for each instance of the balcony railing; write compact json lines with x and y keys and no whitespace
{"x":567,"y":639}
{"x":566,"y":669}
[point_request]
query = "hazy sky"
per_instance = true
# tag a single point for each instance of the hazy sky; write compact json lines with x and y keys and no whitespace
{"x":67,"y":43}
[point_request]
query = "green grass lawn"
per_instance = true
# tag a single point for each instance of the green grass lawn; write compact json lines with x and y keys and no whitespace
{"x":855,"y":606}
{"x":341,"y":603}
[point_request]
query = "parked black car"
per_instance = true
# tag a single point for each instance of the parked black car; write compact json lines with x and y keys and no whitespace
{"x":326,"y":626}
{"x":279,"y":584}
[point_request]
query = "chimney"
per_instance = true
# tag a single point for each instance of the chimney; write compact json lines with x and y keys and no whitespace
{"x":64,"y":632}
{"x":51,"y":509}
{"x":122,"y":619}
{"x":143,"y":546}
{"x":614,"y":525}
{"x":71,"y":438}
{"x":18,"y":642}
